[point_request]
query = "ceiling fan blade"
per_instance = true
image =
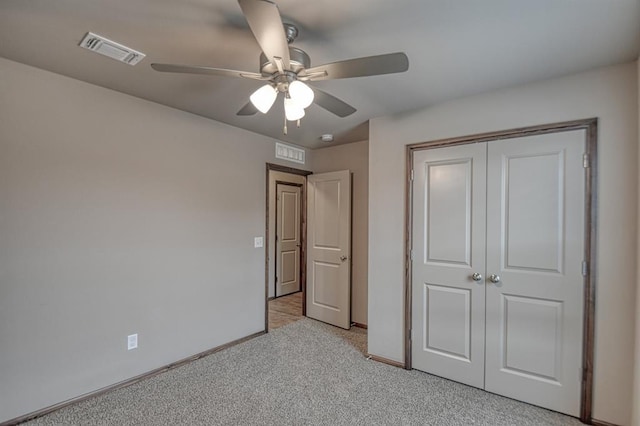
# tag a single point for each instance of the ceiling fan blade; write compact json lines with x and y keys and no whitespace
{"x":186,"y":69}
{"x":361,"y":67}
{"x":265,"y":22}
{"x":248,"y":109}
{"x":332,"y":104}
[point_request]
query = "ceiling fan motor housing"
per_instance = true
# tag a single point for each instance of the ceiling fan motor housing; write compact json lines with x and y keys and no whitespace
{"x":283,"y":66}
{"x":298,"y":59}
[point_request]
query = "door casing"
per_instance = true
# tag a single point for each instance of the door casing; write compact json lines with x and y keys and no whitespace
{"x":590,"y":126}
{"x":303,"y":252}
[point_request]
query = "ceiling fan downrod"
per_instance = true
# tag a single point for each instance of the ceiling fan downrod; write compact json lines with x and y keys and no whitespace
{"x":290,"y":32}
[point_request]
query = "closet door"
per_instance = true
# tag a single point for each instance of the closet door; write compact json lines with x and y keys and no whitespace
{"x":448,"y":248}
{"x":535,"y":247}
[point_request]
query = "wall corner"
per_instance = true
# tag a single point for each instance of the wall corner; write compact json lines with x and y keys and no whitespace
{"x":635,"y":416}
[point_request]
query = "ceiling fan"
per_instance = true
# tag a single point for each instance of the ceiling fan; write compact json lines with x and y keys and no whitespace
{"x":285,"y":69}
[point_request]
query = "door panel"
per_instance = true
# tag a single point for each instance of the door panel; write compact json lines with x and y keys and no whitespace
{"x":287,"y":239}
{"x":532,"y":351}
{"x":534,"y":219}
{"x":327,"y":295}
{"x":326,"y":230}
{"x":329,"y":248}
{"x":447,"y":329}
{"x":448,"y":247}
{"x":289,"y":263}
{"x":290,"y":214}
{"x":535,"y":243}
{"x":449,"y":212}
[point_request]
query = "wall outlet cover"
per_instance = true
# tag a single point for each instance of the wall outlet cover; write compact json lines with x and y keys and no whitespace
{"x":132,"y":341}
{"x":258,"y":242}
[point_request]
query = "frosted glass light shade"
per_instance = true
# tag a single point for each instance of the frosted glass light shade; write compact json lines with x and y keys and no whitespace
{"x":293,"y":110}
{"x":264,"y":97}
{"x":301,"y":93}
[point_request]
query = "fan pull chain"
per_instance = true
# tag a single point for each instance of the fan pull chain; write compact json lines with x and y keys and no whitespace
{"x":285,"y":126}
{"x":298,"y":124}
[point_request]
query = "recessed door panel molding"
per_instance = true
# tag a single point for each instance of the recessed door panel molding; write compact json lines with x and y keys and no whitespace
{"x":532,"y":337}
{"x":447,"y":303}
{"x":534,"y":215}
{"x":448,"y":211}
{"x":288,"y":238}
{"x":447,"y":330}
{"x":329,"y":248}
{"x":327,"y":295}
{"x":327,"y":213}
{"x":498,"y":245}
{"x":289,"y":261}
{"x":290,"y":215}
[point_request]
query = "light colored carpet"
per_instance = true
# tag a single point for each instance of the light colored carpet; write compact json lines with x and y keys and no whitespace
{"x":306,"y":373}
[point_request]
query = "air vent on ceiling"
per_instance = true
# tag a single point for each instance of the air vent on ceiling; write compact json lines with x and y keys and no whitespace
{"x":111,"y":49}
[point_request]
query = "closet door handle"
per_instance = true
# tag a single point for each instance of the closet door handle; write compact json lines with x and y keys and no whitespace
{"x":494,"y":278}
{"x":477,"y":276}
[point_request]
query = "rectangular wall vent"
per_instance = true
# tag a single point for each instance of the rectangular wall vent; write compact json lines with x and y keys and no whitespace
{"x":289,"y":153}
{"x":111,"y":49}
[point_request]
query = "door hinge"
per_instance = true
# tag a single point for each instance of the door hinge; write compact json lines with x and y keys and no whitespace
{"x":585,"y":268}
{"x":411,"y":176}
{"x":411,"y":334}
{"x":585,"y":160}
{"x":411,"y":255}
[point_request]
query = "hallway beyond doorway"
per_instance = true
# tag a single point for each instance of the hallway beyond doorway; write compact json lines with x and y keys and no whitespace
{"x":285,"y":310}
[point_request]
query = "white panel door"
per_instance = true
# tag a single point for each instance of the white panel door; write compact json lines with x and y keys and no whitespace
{"x":329,"y":248}
{"x":512,"y":211}
{"x":287,"y":239}
{"x":535,"y":244}
{"x":448,"y":248}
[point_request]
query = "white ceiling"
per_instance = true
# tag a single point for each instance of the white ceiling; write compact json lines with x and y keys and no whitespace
{"x":455,"y":48}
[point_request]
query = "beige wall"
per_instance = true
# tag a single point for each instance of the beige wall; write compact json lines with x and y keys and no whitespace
{"x":273,"y":177}
{"x":118,"y":216}
{"x":611,"y":94}
{"x":354,"y":157}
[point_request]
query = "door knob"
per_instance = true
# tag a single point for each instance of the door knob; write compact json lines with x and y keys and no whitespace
{"x":343,"y":258}
{"x":477,"y":276}
{"x":494,"y":278}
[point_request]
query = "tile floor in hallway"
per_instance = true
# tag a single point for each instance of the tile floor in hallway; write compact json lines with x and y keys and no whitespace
{"x":285,"y":310}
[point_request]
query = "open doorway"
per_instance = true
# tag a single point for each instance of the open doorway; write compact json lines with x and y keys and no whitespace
{"x":308,"y":235}
{"x":285,"y":269}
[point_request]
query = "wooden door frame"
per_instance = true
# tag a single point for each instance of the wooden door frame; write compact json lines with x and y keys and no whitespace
{"x":590,"y":126}
{"x":303,"y":237}
{"x":275,"y":261}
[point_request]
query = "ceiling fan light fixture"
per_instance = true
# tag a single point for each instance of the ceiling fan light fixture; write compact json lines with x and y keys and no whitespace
{"x":287,"y":69}
{"x":301,"y":93}
{"x":264,"y":97}
{"x":292,"y":109}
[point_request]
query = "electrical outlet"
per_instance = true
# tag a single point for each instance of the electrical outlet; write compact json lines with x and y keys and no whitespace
{"x":132,"y":341}
{"x":258,"y":242}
